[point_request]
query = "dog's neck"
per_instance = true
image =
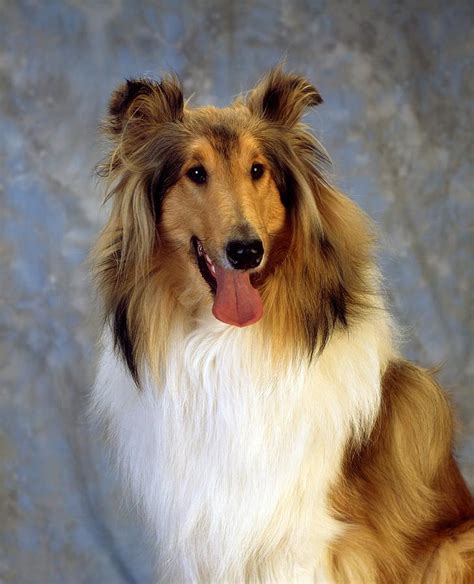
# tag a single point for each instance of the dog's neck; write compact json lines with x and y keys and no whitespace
{"x":215,"y":357}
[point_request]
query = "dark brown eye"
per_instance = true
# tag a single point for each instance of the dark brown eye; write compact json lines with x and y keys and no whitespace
{"x":256,"y":171}
{"x":197,"y":174}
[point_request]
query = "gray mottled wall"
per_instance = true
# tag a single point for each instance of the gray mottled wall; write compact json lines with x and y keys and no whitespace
{"x":398,"y":119}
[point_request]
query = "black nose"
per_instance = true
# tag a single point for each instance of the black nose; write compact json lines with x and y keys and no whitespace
{"x":244,"y":255}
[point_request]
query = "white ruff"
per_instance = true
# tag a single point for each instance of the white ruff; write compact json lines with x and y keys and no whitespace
{"x":231,"y":460}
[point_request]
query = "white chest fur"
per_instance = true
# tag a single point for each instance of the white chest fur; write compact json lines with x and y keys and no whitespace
{"x":231,"y":460}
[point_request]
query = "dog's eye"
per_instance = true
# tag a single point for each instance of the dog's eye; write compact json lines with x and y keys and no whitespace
{"x":197,"y":174}
{"x":256,"y":171}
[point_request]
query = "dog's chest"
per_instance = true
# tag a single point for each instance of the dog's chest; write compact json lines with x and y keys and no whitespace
{"x":231,"y":459}
{"x":235,"y":444}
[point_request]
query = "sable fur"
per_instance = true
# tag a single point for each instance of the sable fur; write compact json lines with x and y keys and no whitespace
{"x":378,"y":496}
{"x":403,"y":492}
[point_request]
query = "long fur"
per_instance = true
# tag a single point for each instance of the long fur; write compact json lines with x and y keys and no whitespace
{"x":302,"y":448}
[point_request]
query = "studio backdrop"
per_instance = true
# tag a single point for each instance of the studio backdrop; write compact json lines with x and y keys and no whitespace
{"x":397,"y":80}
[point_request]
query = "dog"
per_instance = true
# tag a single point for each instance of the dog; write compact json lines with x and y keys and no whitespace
{"x":249,"y":382}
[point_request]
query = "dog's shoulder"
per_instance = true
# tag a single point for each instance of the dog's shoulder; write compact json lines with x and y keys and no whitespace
{"x":416,"y":414}
{"x":410,"y":449}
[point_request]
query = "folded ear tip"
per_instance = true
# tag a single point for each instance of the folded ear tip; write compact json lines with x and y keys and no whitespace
{"x":308,"y":90}
{"x":125,"y":93}
{"x":283,"y":97}
{"x":118,"y":98}
{"x":316,"y":98}
{"x":164,"y":100}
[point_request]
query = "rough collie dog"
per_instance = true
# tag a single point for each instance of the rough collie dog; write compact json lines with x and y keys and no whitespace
{"x":249,"y":383}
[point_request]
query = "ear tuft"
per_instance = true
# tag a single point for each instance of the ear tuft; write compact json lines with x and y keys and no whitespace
{"x":123,"y":96}
{"x":283,"y":97}
{"x":160,"y":101}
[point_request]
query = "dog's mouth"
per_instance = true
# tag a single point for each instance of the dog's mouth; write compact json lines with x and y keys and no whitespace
{"x":236,"y":301}
{"x":205,"y":264}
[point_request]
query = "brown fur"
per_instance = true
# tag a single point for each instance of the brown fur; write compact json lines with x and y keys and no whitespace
{"x":401,"y":493}
{"x":409,"y":510}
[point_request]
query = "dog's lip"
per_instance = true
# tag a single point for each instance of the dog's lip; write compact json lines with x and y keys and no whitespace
{"x":205,"y":264}
{"x":202,"y":253}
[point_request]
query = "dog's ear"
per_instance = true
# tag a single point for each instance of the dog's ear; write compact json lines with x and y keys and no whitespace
{"x":283,"y":97}
{"x":147,"y":100}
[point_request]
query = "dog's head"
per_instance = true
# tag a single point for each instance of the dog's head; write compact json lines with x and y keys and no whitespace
{"x":224,"y":206}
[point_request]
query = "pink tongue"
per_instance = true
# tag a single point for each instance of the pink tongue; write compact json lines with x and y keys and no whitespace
{"x":237,"y":302}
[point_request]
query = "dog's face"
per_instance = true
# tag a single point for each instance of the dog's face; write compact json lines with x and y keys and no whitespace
{"x":223,"y":213}
{"x":215,"y":184}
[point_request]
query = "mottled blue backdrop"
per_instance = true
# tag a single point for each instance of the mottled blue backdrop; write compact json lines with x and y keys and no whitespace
{"x":398,"y":84}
